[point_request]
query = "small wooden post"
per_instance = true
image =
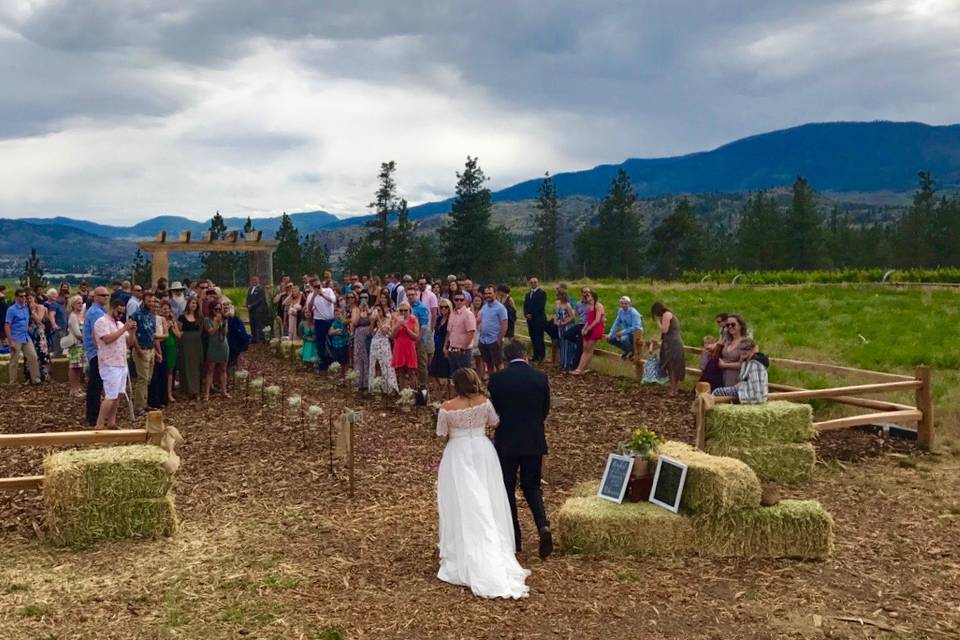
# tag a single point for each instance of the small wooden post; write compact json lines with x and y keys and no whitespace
{"x":330,"y":440}
{"x":303,"y":425}
{"x":283,"y":402}
{"x":350,"y":457}
{"x":638,"y":353}
{"x":924,"y":399}
{"x":701,"y":418}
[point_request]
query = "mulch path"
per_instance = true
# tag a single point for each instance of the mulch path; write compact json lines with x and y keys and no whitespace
{"x":271,"y":545}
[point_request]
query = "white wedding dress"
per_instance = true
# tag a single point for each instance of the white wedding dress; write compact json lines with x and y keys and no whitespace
{"x":476,"y":530}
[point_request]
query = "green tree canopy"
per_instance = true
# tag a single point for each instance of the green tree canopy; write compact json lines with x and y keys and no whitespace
{"x":287,"y":259}
{"x":613,"y":247}
{"x":678,"y":242}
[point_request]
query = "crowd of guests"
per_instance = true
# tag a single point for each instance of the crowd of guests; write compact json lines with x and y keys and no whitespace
{"x":182,"y":336}
{"x":410,"y":333}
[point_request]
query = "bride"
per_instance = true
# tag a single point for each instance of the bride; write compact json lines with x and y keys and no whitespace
{"x":476,"y":530}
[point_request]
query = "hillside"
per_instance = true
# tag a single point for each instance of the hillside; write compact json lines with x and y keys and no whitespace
{"x":65,"y":247}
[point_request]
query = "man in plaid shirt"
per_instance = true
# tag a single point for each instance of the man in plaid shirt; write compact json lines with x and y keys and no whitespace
{"x":753,"y":386}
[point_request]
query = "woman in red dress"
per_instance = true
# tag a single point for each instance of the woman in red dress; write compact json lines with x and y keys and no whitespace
{"x":406,"y":332}
{"x":592,"y":331}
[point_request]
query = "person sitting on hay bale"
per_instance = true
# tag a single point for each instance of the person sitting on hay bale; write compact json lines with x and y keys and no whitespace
{"x":753,"y":385}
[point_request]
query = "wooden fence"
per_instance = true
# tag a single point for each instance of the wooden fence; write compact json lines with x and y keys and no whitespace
{"x":60,"y":438}
{"x":921,"y":413}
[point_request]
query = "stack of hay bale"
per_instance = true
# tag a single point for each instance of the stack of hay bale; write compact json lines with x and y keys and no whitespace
{"x":772,"y":438}
{"x":720,"y":516}
{"x":108,"y":493}
{"x":5,"y":369}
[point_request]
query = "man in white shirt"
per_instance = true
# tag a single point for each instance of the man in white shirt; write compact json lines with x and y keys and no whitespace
{"x":323,"y":302}
{"x":134,"y":302}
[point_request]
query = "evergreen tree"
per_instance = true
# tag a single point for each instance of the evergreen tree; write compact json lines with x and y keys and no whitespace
{"x":544,"y":248}
{"x":804,"y":232}
{"x":248,"y":227}
{"x":219,"y":266}
{"x":314,"y":255}
{"x":402,"y":241}
{"x":947,"y":232}
{"x":142,"y":270}
{"x":33,"y":271}
{"x":469,"y":244}
{"x":614,"y":247}
{"x":839,"y":240}
{"x":383,"y":206}
{"x":759,"y":234}
{"x":678,"y":243}
{"x":914,"y":233}
{"x":287,"y":258}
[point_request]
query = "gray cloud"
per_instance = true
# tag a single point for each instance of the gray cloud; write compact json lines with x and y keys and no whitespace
{"x":573,"y":83}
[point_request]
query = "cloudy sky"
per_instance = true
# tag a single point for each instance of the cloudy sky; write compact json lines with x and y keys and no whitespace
{"x":119,"y":110}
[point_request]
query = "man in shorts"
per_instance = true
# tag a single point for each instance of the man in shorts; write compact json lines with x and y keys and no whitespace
{"x":493,"y":326}
{"x":114,"y":337}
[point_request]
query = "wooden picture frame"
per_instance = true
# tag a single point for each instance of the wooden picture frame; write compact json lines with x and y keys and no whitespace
{"x":670,"y":477}
{"x":616,"y":477}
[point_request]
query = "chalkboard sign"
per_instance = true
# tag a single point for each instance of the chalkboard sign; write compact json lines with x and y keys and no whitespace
{"x":616,"y":476}
{"x":668,"y":483}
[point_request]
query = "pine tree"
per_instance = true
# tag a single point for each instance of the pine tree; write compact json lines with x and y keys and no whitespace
{"x":804,"y":232}
{"x":678,"y":243}
{"x":839,"y":240}
{"x":402,"y":241}
{"x":914,"y":237}
{"x":544,"y":249}
{"x":315,"y":257}
{"x":469,"y":244}
{"x":614,"y":247}
{"x":218,"y":266}
{"x":247,"y":226}
{"x":287,"y":258}
{"x":142,"y":270}
{"x":33,"y":271}
{"x":759,"y":238}
{"x":383,"y":206}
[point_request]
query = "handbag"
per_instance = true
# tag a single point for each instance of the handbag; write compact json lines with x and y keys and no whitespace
{"x":67,"y":341}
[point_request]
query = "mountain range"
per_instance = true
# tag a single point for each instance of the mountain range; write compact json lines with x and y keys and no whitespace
{"x":861,"y":158}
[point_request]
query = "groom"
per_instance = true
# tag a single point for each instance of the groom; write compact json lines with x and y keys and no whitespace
{"x":521,"y":396}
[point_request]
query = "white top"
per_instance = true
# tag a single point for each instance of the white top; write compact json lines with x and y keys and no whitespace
{"x":470,"y":422}
{"x":132,"y":305}
{"x":323,"y":304}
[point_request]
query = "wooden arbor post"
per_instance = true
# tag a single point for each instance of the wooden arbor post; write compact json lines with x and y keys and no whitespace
{"x":924,"y":400}
{"x":160,"y":268}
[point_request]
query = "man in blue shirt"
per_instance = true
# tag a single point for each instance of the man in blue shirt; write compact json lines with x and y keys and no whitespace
{"x":15,"y":328}
{"x":627,"y":323}
{"x":94,"y":382}
{"x":58,"y":306}
{"x":493,"y":326}
{"x":143,"y":348}
{"x":420,"y":311}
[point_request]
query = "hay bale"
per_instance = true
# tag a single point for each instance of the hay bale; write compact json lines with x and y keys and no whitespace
{"x":5,"y":371}
{"x":750,"y":425}
{"x":59,"y":368}
{"x":790,"y":529}
{"x":108,"y":474}
{"x":594,"y":526}
{"x":786,"y":463}
{"x":111,"y":492}
{"x":714,"y":484}
{"x":84,"y":524}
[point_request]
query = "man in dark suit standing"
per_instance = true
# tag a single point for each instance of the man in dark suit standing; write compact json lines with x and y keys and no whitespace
{"x":534,"y":308}
{"x":257,"y":308}
{"x":521,"y":396}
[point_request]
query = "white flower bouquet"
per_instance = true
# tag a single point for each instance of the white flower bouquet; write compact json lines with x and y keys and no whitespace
{"x":334,"y":369}
{"x":272,"y":394}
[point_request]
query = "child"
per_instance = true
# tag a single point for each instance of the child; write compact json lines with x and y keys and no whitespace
{"x":338,"y":337}
{"x":753,"y":385}
{"x":309,"y":354}
{"x":707,"y":353}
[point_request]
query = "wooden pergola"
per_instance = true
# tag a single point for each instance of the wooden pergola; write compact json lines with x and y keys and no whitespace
{"x":260,"y":250}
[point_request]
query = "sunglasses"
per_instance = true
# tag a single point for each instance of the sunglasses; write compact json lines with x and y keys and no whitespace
{"x":732,"y":325}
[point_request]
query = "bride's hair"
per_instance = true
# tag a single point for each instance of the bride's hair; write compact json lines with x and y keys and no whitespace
{"x":466,"y":382}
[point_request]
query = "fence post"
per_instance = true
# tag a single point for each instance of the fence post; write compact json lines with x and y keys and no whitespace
{"x":924,"y":399}
{"x":701,"y":416}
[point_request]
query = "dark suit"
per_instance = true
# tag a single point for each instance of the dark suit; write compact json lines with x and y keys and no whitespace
{"x":534,"y":306}
{"x":259,"y":313}
{"x":521,"y":396}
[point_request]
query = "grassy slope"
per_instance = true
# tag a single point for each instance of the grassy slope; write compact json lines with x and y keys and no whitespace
{"x":902,"y":327}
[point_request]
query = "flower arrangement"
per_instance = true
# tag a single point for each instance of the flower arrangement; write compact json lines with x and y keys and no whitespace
{"x":256,"y":384}
{"x":267,"y":331}
{"x":314,"y":411}
{"x":334,"y":368}
{"x":275,"y":344}
{"x":352,"y":376}
{"x":378,"y":385}
{"x":406,"y":398}
{"x":294,"y":402}
{"x":273,"y":395}
{"x":241,"y":376}
{"x":643,"y":442}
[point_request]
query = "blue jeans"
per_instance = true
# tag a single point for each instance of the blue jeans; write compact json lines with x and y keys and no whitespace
{"x":624,"y":343}
{"x":321,"y":329}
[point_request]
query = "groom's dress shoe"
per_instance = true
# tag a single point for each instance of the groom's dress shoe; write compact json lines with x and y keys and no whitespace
{"x":546,"y":542}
